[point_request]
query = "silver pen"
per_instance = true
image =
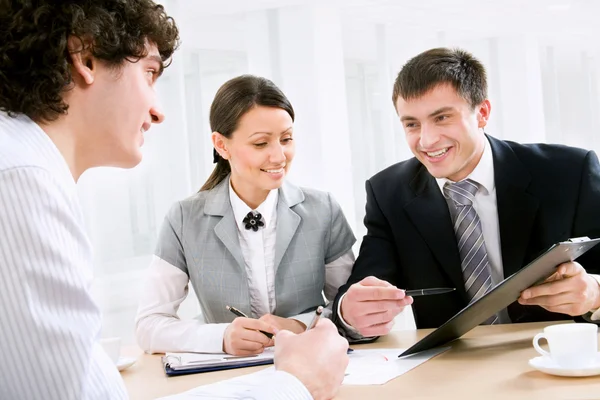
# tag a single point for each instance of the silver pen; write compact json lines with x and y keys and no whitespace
{"x":315,"y":319}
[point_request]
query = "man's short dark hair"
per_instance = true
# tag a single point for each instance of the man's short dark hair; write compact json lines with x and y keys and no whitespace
{"x":442,"y":66}
{"x":34,"y":56}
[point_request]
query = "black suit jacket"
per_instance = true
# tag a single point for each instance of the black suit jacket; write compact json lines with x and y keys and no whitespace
{"x":545,"y":194}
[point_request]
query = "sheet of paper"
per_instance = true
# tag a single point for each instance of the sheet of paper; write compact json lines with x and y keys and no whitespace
{"x":378,"y":366}
{"x":366,"y":367}
{"x":227,"y":389}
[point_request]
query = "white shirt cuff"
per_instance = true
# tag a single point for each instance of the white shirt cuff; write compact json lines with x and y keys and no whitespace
{"x":279,"y":386}
{"x":345,"y":325}
{"x":351,"y":333}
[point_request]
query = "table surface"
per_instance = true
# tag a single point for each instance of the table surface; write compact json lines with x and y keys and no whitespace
{"x":488,"y":362}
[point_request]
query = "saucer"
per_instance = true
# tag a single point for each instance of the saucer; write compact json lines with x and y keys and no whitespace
{"x":125,"y":362}
{"x":547,"y":365}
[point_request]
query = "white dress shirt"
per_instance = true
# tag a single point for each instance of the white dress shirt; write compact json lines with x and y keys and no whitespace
{"x":49,"y":323}
{"x":258,"y":250}
{"x":158,"y":327}
{"x":486,"y":206}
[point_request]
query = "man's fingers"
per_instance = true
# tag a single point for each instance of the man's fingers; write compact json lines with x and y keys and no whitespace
{"x":552,"y":301}
{"x":377,"y":330}
{"x":283,"y":336}
{"x":376,"y":319}
{"x":370,"y":293}
{"x":374,"y":307}
{"x":326,"y":324}
{"x":548,"y":289}
{"x":569,"y":269}
{"x":372,"y":281}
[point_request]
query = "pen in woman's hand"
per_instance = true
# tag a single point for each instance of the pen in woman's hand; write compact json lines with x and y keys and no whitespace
{"x":236,"y":311}
{"x":241,"y":314}
{"x":315,"y":319}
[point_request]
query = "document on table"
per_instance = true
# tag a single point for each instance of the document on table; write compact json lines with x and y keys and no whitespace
{"x":378,"y":366}
{"x":233,"y":388}
{"x":366,"y":367}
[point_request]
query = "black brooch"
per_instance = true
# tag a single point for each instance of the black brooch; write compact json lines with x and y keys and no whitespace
{"x":253,"y":221}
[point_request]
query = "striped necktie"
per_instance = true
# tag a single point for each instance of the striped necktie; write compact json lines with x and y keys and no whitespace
{"x":469,"y":235}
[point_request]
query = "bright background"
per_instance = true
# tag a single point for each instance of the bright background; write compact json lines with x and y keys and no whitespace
{"x":336,"y":61}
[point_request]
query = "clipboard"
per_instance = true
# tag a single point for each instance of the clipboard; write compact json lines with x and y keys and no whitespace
{"x":176,"y":364}
{"x":504,"y":294}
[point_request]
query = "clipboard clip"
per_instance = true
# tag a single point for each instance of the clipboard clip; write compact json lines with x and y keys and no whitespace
{"x":579,"y":239}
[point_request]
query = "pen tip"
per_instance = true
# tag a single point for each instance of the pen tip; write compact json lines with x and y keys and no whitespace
{"x":228,"y":308}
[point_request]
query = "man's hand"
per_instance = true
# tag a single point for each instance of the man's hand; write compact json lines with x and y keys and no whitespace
{"x":370,"y":306}
{"x":288,"y":324}
{"x":318,"y":358}
{"x":570,"y":290}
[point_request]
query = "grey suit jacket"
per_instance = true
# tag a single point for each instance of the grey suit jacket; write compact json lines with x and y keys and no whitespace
{"x":199,"y":236}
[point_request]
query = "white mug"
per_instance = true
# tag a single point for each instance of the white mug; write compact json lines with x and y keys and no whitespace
{"x":112,"y":347}
{"x":571,"y":345}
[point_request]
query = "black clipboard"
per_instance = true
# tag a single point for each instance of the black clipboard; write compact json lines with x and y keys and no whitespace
{"x":503,"y":294}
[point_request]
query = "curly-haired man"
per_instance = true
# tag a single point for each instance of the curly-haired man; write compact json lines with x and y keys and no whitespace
{"x":77,"y":91}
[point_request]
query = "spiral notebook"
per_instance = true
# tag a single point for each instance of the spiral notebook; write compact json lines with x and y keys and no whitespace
{"x":193,"y":363}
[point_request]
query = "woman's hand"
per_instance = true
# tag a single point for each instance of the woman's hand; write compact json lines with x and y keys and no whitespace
{"x":280,"y":323}
{"x":242,"y":337}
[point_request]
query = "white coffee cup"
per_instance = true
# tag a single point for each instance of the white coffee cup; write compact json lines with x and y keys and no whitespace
{"x":112,"y":347}
{"x":571,"y":345}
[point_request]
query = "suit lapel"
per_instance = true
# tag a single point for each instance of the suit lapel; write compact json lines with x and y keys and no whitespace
{"x":218,"y":204}
{"x":517,"y":208}
{"x":287,"y":220}
{"x":428,"y":211}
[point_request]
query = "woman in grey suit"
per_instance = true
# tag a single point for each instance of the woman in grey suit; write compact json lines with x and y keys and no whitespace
{"x":248,"y":239}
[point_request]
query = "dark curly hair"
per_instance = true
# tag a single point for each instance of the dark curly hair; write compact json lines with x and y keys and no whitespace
{"x":34,"y":56}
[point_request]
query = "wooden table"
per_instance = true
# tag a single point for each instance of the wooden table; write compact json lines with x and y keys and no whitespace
{"x":488,"y":362}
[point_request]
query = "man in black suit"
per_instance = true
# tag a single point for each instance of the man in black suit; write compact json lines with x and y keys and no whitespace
{"x":468,"y":210}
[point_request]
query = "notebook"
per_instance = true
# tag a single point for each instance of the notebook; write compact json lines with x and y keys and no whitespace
{"x":193,"y":363}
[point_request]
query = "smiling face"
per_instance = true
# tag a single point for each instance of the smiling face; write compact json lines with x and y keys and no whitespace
{"x":260,"y":152}
{"x":444,"y":132}
{"x":118,"y":108}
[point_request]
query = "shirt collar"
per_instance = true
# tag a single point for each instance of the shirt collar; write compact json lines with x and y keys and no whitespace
{"x":34,"y":138}
{"x":241,"y":209}
{"x":483,"y":173}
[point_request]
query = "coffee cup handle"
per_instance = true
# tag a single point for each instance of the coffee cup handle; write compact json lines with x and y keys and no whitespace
{"x":536,"y":345}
